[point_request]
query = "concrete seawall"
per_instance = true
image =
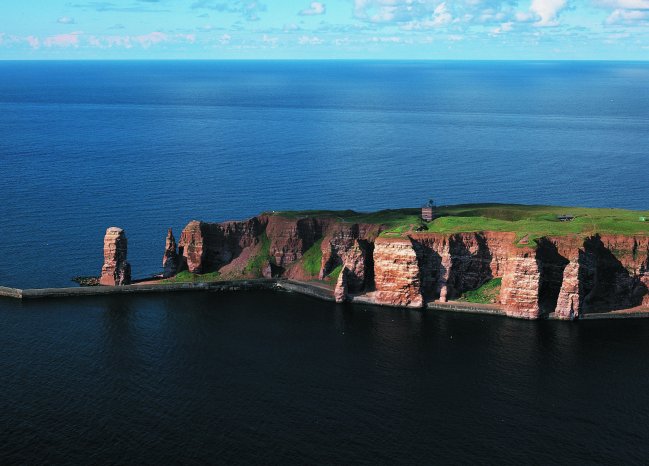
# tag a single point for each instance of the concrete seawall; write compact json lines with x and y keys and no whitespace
{"x":308,"y":289}
{"x":46,"y":293}
{"x":228,"y":285}
{"x":11,"y":292}
{"x":467,"y":308}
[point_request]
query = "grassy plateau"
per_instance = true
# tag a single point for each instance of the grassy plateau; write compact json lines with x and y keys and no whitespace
{"x":533,"y":221}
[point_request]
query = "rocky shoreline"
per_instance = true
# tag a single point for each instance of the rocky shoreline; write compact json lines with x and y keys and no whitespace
{"x":332,"y":256}
{"x":283,"y":285}
{"x":563,"y":277}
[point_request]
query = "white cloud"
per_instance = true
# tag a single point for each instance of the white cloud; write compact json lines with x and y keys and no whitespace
{"x":65,"y":20}
{"x":389,"y":39}
{"x":61,"y":40}
{"x":547,"y":11}
{"x":628,"y":12}
{"x":316,"y":8}
{"x":441,"y":15}
{"x":269,"y":40}
{"x":625,"y":4}
{"x":504,"y":27}
{"x":34,"y":42}
{"x":310,"y":40}
{"x":621,"y":16}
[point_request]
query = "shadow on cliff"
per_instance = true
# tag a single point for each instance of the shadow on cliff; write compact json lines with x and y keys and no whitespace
{"x":551,"y":266}
{"x":604,"y":283}
{"x":469,"y":270}
{"x":470,"y":266}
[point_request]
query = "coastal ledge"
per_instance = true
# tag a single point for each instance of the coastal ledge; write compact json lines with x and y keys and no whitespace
{"x":313,"y":290}
{"x":308,"y":289}
{"x":67,"y":292}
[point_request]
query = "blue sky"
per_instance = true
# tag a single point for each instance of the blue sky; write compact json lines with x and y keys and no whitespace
{"x":381,"y":29}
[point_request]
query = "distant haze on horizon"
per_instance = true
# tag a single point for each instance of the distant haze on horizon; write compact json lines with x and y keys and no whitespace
{"x":304,"y":29}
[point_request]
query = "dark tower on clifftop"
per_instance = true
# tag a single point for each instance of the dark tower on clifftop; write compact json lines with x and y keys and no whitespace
{"x":428,"y":211}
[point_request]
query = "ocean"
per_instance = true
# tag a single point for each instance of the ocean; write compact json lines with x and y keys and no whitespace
{"x":277,"y":378}
{"x":151,"y":145}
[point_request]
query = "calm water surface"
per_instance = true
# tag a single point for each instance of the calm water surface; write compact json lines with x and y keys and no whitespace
{"x":149,"y":145}
{"x":274,"y":378}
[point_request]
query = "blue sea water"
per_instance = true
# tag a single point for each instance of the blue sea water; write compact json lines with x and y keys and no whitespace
{"x":273,"y":378}
{"x":152,"y":145}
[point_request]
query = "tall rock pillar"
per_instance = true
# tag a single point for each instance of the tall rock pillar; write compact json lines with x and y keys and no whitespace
{"x":170,"y":258}
{"x":116,"y":270}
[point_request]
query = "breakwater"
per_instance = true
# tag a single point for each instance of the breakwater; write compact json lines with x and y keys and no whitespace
{"x":308,"y":289}
{"x":226,"y":285}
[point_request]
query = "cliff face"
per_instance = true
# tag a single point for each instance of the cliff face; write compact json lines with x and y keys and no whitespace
{"x":454,"y":264}
{"x":116,"y":270}
{"x":291,"y":238}
{"x":564,"y":276}
{"x":520,"y":286}
{"x":209,"y":246}
{"x":397,"y":273}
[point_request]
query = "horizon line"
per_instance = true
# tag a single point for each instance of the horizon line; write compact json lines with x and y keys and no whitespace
{"x":597,"y":60}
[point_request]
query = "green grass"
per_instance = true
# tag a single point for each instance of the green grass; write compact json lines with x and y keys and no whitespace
{"x":312,"y":259}
{"x":486,"y":294}
{"x":187,"y":277}
{"x":533,"y":220}
{"x":334,"y":274}
{"x":255,"y":264}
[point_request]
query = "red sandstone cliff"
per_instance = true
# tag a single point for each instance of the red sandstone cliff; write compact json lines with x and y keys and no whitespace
{"x":564,"y":276}
{"x":116,"y":270}
{"x":520,"y":286}
{"x":170,"y":257}
{"x":396,"y":273}
{"x":209,"y":246}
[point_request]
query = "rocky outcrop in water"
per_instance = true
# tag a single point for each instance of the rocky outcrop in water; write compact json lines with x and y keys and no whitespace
{"x":341,"y":291}
{"x":116,"y":270}
{"x":170,"y":257}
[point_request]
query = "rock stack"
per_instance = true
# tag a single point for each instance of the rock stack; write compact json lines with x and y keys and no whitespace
{"x":170,"y":258}
{"x":116,"y":270}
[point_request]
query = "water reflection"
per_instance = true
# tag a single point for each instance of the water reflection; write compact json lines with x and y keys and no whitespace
{"x":275,"y":377}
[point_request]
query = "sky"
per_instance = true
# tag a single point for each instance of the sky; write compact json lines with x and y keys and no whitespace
{"x":329,"y":29}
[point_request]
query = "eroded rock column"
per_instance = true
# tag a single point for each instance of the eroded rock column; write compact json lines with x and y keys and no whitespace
{"x":568,"y":303}
{"x":170,"y":258}
{"x":116,"y":270}
{"x":519,"y":293}
{"x":396,"y":273}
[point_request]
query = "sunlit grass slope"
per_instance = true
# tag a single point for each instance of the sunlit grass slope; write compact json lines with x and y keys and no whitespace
{"x":532,"y":220}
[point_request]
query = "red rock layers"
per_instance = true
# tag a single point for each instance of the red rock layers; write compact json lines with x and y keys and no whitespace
{"x":209,"y":246}
{"x":170,"y":257}
{"x":116,"y":270}
{"x":454,"y":264}
{"x":396,"y":273}
{"x":563,"y":276}
{"x":520,"y":286}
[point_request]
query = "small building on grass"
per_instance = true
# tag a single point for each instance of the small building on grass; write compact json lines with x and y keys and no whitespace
{"x":428,"y":211}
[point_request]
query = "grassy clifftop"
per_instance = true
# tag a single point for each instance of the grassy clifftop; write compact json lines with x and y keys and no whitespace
{"x":532,"y":220}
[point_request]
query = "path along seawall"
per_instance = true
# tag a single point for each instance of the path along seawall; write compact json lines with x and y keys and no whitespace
{"x":281,"y":285}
